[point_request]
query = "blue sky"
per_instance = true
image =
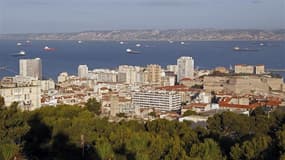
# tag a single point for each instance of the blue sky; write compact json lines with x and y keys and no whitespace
{"x":34,"y":16}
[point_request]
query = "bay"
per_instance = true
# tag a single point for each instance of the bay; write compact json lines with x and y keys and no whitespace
{"x":109,"y":54}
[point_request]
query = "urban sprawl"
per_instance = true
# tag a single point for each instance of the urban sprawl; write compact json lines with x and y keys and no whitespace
{"x":138,"y":92}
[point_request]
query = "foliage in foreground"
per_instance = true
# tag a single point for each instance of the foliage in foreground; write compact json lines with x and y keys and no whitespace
{"x":71,"y":132}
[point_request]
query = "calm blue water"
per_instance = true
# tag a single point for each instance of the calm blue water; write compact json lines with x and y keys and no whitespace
{"x":69,"y":54}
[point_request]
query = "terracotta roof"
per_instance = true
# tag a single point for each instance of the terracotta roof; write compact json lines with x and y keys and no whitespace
{"x":195,"y":105}
{"x":104,"y":88}
{"x":186,"y":79}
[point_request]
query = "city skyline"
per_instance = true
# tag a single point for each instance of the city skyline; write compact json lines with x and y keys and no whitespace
{"x":52,"y":16}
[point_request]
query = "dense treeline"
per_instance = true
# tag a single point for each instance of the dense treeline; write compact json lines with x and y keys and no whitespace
{"x":75,"y":133}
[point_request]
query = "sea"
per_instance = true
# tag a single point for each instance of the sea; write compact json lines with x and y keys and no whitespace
{"x":110,"y":54}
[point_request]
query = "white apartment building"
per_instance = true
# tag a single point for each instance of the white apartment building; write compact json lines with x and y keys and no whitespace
{"x":47,"y":85}
{"x":82,"y":71}
{"x":131,"y":74}
{"x":103,"y":75}
{"x":31,"y":68}
{"x":185,"y":67}
{"x":159,"y":100}
{"x":28,"y":96}
{"x":172,"y":68}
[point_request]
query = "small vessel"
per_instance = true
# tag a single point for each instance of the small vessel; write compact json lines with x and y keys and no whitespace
{"x":28,"y":43}
{"x":138,"y":45}
{"x":170,"y":41}
{"x":19,"y":44}
{"x":130,"y":51}
{"x":122,"y":42}
{"x":79,"y":41}
{"x":46,"y":48}
{"x":182,"y":43}
{"x":21,"y":53}
{"x":261,"y":44}
{"x":237,"y":48}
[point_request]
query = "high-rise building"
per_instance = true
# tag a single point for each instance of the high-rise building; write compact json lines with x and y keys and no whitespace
{"x":82,"y":71}
{"x":130,"y":74}
{"x":185,"y":68}
{"x":31,"y":68}
{"x":154,"y":73}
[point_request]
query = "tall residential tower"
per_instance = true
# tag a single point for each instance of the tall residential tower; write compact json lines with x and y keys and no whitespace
{"x":185,"y":67}
{"x":31,"y":68}
{"x":82,"y":71}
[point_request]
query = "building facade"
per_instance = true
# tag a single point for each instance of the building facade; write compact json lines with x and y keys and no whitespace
{"x":31,"y":68}
{"x":82,"y":71}
{"x":243,"y":68}
{"x":154,"y":73}
{"x":159,"y":100}
{"x":185,"y":67}
{"x":28,"y":97}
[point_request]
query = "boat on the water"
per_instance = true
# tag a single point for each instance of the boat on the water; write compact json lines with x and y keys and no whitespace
{"x":19,"y":54}
{"x":237,"y":48}
{"x":46,"y":48}
{"x":130,"y":51}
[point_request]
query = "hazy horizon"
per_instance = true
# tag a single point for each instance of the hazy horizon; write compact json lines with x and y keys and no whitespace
{"x":62,"y":16}
{"x":138,"y":29}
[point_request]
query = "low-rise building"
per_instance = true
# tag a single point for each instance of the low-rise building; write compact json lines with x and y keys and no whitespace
{"x":159,"y":100}
{"x":259,"y":69}
{"x":243,"y":68}
{"x":28,"y":96}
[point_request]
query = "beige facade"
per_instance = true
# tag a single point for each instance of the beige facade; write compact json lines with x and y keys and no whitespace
{"x":130,"y":74}
{"x":154,"y":73}
{"x":242,"y":68}
{"x":47,"y":85}
{"x":243,"y":84}
{"x":259,"y":69}
{"x":249,"y":69}
{"x":221,"y":70}
{"x":275,"y":84}
{"x":215,"y":83}
{"x":28,"y":97}
{"x":62,"y":77}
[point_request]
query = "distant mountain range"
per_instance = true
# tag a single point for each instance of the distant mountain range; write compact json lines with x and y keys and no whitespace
{"x":156,"y":35}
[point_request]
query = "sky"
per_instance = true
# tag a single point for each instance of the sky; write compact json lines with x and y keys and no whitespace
{"x":57,"y":16}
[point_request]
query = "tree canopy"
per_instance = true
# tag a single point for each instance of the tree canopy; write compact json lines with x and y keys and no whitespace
{"x":73,"y":132}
